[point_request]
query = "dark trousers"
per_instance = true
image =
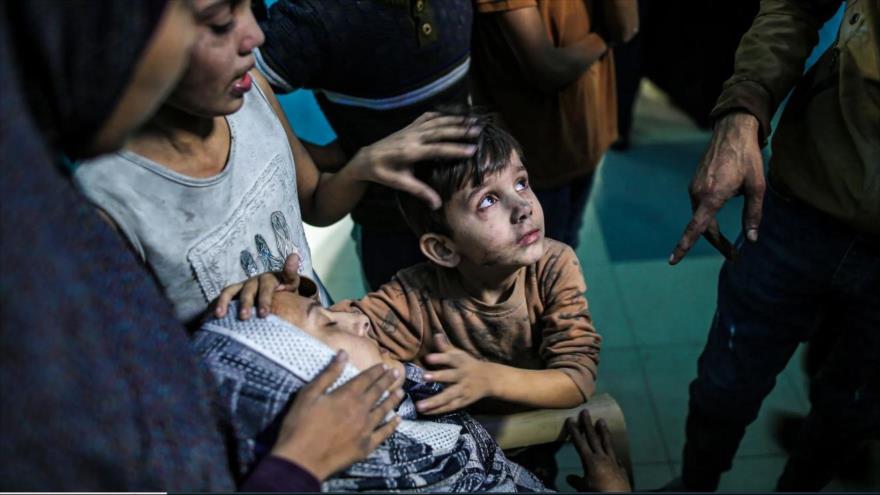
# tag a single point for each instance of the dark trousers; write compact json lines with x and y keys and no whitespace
{"x":383,"y":254}
{"x":564,"y":209}
{"x":806,"y":272}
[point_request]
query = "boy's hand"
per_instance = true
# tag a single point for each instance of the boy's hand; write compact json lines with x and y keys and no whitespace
{"x":431,"y":136}
{"x":468,"y":379}
{"x":263,"y":287}
{"x":602,"y":471}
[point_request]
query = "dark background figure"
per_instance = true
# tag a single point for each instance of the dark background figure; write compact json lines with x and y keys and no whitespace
{"x":687,"y":49}
{"x":99,"y":388}
{"x":375,"y":67}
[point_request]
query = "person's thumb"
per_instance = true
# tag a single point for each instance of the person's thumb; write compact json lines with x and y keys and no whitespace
{"x":290,"y":272}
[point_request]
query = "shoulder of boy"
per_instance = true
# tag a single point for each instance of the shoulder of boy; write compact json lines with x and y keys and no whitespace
{"x":559,"y":260}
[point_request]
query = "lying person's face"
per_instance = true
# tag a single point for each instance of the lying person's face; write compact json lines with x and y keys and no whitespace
{"x":217,"y":77}
{"x":337,"y":329}
{"x":500,"y":222}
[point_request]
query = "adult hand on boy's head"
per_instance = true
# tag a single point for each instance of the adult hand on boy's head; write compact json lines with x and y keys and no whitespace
{"x":602,"y":471}
{"x":732,"y":165}
{"x":327,"y":432}
{"x":432,"y":136}
{"x":262,"y":287}
{"x":466,"y":377}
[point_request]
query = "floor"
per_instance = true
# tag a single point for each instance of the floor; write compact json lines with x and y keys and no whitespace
{"x":653,"y":316}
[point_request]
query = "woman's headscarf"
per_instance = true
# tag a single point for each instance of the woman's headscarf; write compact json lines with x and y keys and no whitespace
{"x":99,"y":389}
{"x":72,"y":60}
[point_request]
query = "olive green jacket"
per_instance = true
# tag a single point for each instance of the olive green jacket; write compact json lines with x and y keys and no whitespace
{"x":826,"y":150}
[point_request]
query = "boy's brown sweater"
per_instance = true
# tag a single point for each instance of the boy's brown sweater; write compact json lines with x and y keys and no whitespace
{"x":544,"y":324}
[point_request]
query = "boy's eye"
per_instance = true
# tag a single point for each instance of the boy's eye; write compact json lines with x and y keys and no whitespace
{"x":522,"y":184}
{"x":222,"y":28}
{"x":487,"y":202}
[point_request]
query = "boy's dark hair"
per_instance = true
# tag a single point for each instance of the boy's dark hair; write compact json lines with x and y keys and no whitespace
{"x":494,"y":147}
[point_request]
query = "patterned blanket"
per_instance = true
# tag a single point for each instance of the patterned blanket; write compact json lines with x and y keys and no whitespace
{"x":260,"y":364}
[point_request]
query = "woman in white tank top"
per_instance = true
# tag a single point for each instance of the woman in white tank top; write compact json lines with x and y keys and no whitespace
{"x":214,"y":189}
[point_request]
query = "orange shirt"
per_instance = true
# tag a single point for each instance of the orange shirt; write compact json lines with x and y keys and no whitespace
{"x":563,"y":134}
{"x":543,"y":324}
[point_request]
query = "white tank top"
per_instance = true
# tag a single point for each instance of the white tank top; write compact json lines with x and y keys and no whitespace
{"x":201,"y":235}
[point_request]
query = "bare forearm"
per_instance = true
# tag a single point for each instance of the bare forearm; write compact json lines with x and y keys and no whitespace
{"x":334,"y":197}
{"x":547,"y":66}
{"x":534,"y":388}
{"x":561,"y":66}
{"x":328,"y":157}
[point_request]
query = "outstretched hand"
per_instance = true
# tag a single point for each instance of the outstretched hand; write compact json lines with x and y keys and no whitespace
{"x":260,"y":288}
{"x":325,"y":432}
{"x":431,"y":136}
{"x":732,"y":165}
{"x":602,"y":471}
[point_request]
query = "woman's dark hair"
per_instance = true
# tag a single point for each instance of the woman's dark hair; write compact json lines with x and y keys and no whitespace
{"x":494,"y":147}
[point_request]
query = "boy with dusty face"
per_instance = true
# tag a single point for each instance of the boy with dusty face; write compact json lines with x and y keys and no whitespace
{"x":499,"y":310}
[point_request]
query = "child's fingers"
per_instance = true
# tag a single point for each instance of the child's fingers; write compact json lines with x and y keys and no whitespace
{"x":246,"y":298}
{"x":438,"y":400}
{"x":578,"y":438}
{"x":453,"y":405}
{"x":424,"y":118}
{"x":409,"y":184}
{"x":450,"y":133}
{"x":226,"y":295}
{"x":439,"y":120}
{"x":290,"y":272}
{"x":443,"y":376}
{"x":605,"y":438}
{"x":442,"y":343}
{"x":268,"y":284}
{"x":439,"y":359}
{"x":586,"y":424}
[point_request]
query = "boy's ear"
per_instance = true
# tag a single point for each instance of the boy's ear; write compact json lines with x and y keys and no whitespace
{"x":440,"y":250}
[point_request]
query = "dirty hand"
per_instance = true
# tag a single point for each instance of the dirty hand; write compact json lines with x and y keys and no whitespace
{"x":262,"y":287}
{"x":602,"y":471}
{"x":468,"y":379}
{"x":432,"y":136}
{"x":732,"y":165}
{"x":327,"y":432}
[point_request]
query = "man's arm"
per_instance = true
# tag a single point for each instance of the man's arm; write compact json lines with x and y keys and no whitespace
{"x":771,"y":56}
{"x":769,"y":62}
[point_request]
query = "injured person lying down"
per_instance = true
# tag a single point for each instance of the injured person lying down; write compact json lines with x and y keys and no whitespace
{"x":260,"y":364}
